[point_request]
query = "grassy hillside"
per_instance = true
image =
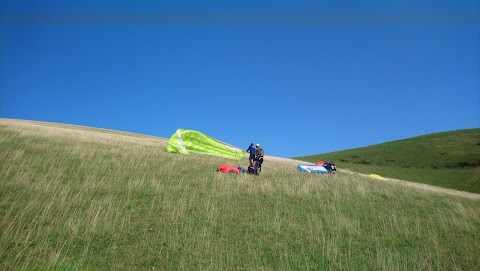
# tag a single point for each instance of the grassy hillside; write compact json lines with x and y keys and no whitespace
{"x":448,"y":159}
{"x":80,"y":199}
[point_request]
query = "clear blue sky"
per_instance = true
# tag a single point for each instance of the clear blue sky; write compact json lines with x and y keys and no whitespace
{"x":298,"y":77}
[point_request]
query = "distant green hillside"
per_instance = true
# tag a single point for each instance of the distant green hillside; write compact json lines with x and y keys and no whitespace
{"x":448,"y":159}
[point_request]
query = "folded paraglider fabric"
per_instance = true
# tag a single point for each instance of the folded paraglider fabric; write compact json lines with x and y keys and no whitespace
{"x":376,"y":176}
{"x":229,"y":169}
{"x":312,"y":169}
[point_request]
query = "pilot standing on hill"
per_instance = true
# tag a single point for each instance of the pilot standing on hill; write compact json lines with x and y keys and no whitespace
{"x":259,"y":154}
{"x":252,"y":151}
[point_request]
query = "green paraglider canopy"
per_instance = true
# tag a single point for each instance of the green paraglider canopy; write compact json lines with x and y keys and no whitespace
{"x":190,"y":141}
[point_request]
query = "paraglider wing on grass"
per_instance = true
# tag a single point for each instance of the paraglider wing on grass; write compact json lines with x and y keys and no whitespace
{"x":312,"y":169}
{"x":191,"y":141}
{"x":376,"y":176}
{"x":229,"y":169}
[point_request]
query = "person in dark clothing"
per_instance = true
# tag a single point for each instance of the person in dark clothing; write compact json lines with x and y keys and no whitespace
{"x":251,"y":150}
{"x":259,"y":154}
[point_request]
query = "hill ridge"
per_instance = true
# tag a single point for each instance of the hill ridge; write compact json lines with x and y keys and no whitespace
{"x":292,"y":161}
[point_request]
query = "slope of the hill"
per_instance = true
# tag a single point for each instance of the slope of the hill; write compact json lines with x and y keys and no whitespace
{"x":448,"y":159}
{"x":72,"y":198}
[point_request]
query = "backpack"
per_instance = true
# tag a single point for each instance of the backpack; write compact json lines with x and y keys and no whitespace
{"x":252,"y":170}
{"x":260,"y":152}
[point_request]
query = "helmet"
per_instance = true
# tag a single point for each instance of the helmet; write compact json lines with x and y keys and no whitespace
{"x":258,"y":145}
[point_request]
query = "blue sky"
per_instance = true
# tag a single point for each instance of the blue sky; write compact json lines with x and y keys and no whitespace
{"x":298,"y":77}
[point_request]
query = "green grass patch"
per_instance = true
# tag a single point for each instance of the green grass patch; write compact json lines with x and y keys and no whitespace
{"x":110,"y":202}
